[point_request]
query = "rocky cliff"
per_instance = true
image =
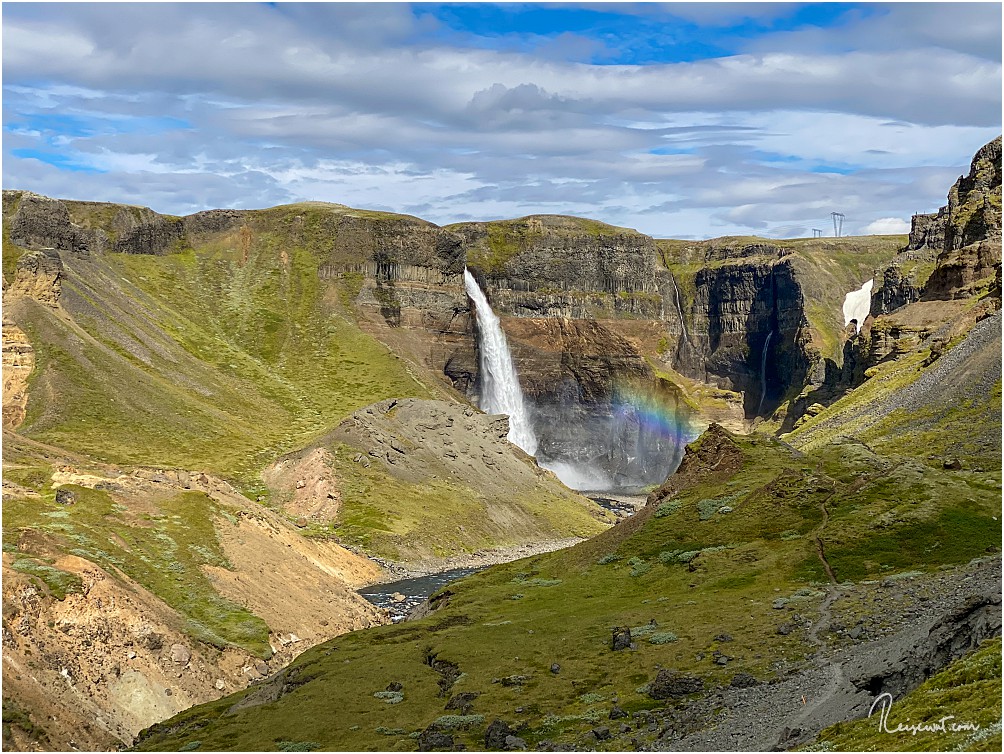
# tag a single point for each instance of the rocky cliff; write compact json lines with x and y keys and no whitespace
{"x":954,"y":255}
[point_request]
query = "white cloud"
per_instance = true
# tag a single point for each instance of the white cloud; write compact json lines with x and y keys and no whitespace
{"x":371,"y":106}
{"x":886,"y":226}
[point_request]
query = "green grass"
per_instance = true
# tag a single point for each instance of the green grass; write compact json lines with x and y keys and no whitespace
{"x":164,"y":552}
{"x":969,"y":690}
{"x":408,"y":520}
{"x":517,"y":619}
{"x":200,"y":360}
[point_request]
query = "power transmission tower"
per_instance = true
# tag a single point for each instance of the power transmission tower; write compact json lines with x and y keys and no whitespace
{"x":817,"y":233}
{"x":838,"y":223}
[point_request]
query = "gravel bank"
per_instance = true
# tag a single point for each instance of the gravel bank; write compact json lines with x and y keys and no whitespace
{"x":479,"y":559}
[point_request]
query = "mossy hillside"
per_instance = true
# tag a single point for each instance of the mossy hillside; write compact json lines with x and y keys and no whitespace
{"x":437,"y":517}
{"x":967,"y":426}
{"x":217,"y":358}
{"x":495,"y":243}
{"x":11,"y":252}
{"x":160,"y":542}
{"x":696,"y":570}
{"x":969,"y":690}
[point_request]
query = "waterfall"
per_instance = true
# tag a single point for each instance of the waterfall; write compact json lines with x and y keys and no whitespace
{"x":763,"y":371}
{"x":500,"y":393}
{"x":679,"y":309}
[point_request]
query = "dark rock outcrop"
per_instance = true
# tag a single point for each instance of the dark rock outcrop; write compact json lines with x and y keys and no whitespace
{"x":669,"y":684}
{"x":971,"y":251}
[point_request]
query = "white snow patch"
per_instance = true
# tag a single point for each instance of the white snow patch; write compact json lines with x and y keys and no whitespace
{"x":858,"y":303}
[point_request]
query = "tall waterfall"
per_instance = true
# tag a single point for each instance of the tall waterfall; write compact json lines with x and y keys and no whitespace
{"x":679,"y":310}
{"x":763,"y":372}
{"x":501,"y":393}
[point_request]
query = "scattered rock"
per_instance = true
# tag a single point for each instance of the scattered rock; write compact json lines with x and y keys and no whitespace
{"x":463,"y":701}
{"x":262,"y":667}
{"x":220,"y":684}
{"x":300,"y":484}
{"x":555,"y":668}
{"x":65,"y":496}
{"x":301,"y":522}
{"x":514,"y":743}
{"x":952,"y":463}
{"x":785,"y":628}
{"x":722,"y":660}
{"x":602,"y":734}
{"x":625,"y":728}
{"x":180,"y":654}
{"x":434,"y":740}
{"x":723,"y":638}
{"x":398,"y":597}
{"x":621,"y":639}
{"x":395,"y":686}
{"x":672,"y":683}
{"x":780,"y":603}
{"x":496,"y":734}
{"x":617,"y":713}
{"x":743,"y":680}
{"x":855,"y":633}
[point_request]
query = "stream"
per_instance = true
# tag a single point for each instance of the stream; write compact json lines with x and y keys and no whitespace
{"x":400,"y":597}
{"x":414,"y":591}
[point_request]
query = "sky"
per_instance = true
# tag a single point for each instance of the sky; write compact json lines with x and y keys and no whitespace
{"x":682,"y":120}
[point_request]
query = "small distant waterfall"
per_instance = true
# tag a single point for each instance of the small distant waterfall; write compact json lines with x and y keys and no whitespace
{"x":679,"y":310}
{"x":501,"y":393}
{"x":763,"y":371}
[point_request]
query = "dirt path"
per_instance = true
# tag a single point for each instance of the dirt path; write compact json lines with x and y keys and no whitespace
{"x":840,"y":683}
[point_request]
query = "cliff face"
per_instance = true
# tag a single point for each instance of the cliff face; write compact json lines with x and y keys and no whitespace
{"x":953,"y":255}
{"x":971,"y":251}
{"x":582,"y":304}
{"x":747,"y":328}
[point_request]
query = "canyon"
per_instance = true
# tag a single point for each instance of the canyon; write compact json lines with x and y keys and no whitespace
{"x":218,"y":427}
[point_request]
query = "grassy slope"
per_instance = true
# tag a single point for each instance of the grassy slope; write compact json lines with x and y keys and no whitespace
{"x":201,"y":359}
{"x":438,"y":517}
{"x":963,"y":689}
{"x":961,"y":419}
{"x":162,"y":543}
{"x":516,"y":620}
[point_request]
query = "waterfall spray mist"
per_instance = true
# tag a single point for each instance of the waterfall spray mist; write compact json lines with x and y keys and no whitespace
{"x":500,"y":390}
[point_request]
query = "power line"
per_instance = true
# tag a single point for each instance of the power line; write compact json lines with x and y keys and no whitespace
{"x":838,"y":223}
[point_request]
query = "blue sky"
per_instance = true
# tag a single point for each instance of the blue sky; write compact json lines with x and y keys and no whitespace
{"x":688,"y":120}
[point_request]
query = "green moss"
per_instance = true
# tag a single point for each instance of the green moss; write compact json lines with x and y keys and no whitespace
{"x":59,"y":583}
{"x":277,"y":358}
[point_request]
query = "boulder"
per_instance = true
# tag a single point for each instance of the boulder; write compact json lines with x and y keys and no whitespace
{"x":434,"y":740}
{"x":621,"y":638}
{"x":496,"y":734}
{"x":65,"y":496}
{"x":672,"y":683}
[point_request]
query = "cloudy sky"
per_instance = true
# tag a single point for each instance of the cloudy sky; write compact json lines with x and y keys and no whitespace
{"x":681,"y":120}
